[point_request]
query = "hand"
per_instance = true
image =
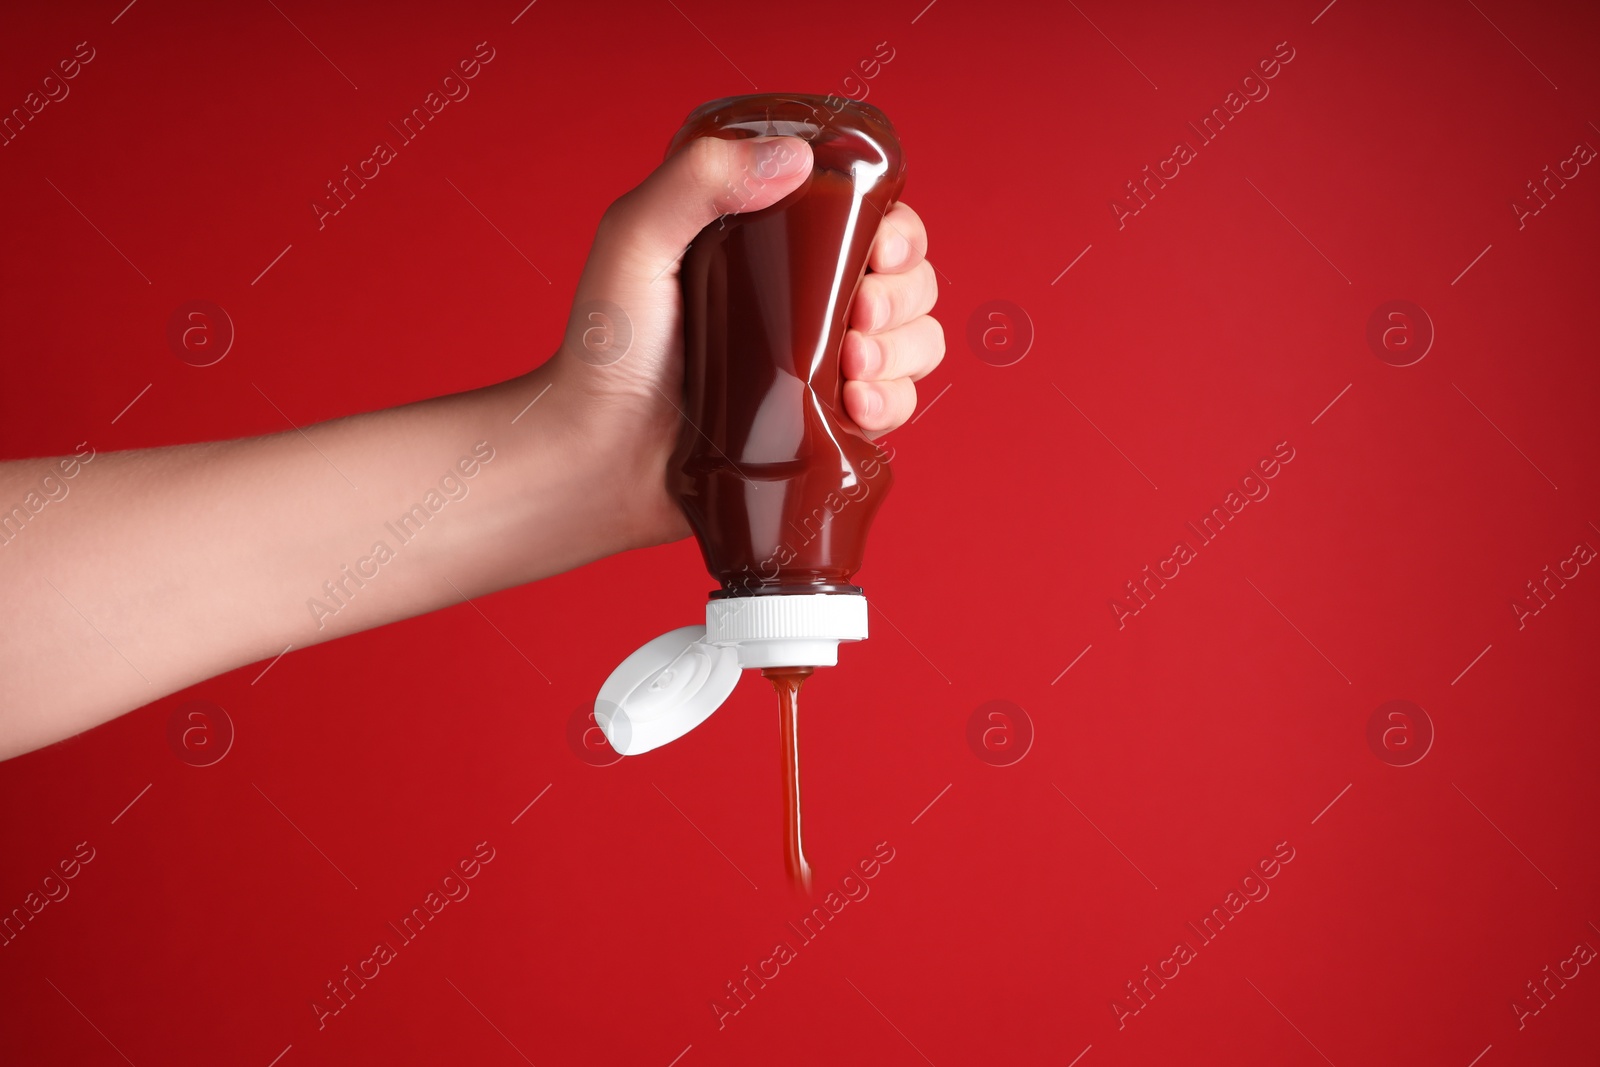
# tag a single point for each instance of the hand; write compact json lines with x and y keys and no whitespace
{"x":152,"y":539}
{"x":630,"y":412}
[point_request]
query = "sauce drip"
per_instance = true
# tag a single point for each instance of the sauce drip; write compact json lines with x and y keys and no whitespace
{"x":787,"y":680}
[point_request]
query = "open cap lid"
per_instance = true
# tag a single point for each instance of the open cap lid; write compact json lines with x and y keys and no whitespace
{"x":664,"y":690}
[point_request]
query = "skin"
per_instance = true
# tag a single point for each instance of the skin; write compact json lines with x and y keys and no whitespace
{"x":163,"y":567}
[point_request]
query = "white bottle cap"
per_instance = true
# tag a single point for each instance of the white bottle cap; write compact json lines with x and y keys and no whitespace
{"x":788,"y":630}
{"x":674,"y":683}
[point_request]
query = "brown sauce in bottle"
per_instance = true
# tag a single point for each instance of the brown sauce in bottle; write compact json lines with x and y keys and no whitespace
{"x":779,"y":485}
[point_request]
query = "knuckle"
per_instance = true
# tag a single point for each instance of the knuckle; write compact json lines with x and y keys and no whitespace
{"x":910,"y":224}
{"x":894,"y":356}
{"x":930,"y":285}
{"x":906,"y":401}
{"x":874,"y":292}
{"x":899,"y":297}
{"x":706,"y":160}
{"x":926,"y":339}
{"x":853,"y":357}
{"x":612,"y":219}
{"x":902,"y":302}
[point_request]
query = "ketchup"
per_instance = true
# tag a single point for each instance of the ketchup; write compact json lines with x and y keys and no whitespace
{"x":777,"y":482}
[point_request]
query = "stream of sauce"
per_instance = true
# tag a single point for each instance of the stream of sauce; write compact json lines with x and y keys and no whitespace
{"x":787,"y":680}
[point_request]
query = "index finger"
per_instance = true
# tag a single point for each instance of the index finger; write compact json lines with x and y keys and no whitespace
{"x":901,"y":242}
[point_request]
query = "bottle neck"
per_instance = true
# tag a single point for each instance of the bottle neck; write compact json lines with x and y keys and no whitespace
{"x":788,"y":589}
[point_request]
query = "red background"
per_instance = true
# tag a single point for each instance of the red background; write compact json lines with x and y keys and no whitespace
{"x":1221,"y":720}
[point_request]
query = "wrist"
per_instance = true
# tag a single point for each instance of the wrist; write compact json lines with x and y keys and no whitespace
{"x":591,"y":462}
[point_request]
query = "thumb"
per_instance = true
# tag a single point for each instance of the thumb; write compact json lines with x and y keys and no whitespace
{"x":705,"y":179}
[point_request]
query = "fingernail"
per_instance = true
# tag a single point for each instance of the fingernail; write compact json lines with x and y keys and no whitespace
{"x":895,"y":249}
{"x":871,"y":358}
{"x":874,"y":403}
{"x":880,"y":313}
{"x":779,"y":157}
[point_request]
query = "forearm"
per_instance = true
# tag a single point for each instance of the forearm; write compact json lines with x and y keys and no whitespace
{"x":160,"y":568}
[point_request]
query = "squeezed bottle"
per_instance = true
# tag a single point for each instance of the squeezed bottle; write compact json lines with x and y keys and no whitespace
{"x":778,"y":484}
